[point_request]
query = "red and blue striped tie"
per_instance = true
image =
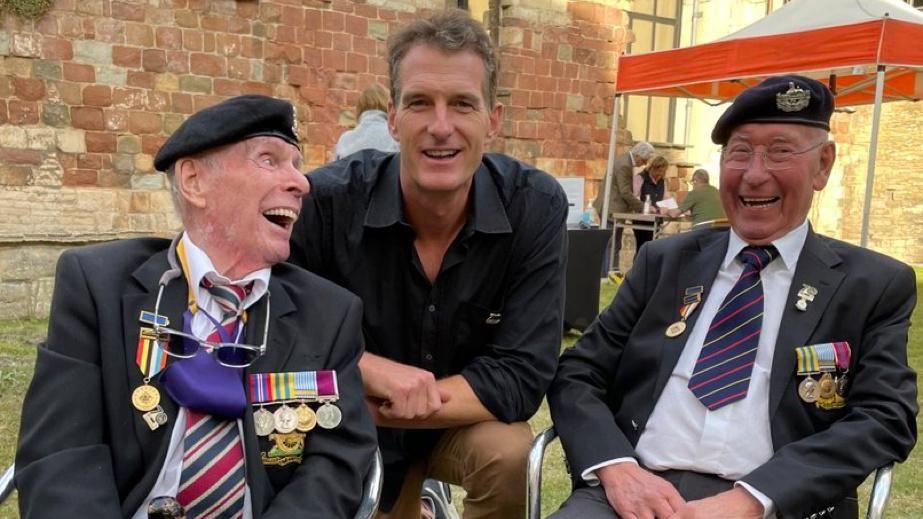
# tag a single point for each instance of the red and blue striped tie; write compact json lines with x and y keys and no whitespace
{"x":213,"y":478}
{"x":722,"y":372}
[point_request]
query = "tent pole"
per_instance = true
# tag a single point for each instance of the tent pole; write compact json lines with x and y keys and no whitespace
{"x":607,"y":187}
{"x":873,"y":149}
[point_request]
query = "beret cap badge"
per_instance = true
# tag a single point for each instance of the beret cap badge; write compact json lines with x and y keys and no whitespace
{"x":795,"y":99}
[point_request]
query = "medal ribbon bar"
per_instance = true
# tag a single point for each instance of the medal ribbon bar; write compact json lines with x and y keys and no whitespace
{"x":310,"y":386}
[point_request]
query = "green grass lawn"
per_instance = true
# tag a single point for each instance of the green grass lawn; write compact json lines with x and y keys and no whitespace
{"x":17,"y":355}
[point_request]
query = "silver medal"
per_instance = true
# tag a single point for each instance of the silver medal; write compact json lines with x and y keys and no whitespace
{"x":329,"y":416}
{"x":263,"y":422}
{"x":285,"y":419}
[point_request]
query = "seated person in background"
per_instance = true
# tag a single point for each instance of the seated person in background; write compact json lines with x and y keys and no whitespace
{"x":651,"y":184}
{"x":371,"y":131}
{"x":458,"y":256}
{"x":757,"y":371}
{"x":703,"y":202}
{"x":113,"y":418}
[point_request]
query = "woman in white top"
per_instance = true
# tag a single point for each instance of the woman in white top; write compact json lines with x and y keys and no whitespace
{"x":371,"y":131}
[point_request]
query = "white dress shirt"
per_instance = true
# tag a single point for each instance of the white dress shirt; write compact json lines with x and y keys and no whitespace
{"x":731,"y":441}
{"x":200,"y":266}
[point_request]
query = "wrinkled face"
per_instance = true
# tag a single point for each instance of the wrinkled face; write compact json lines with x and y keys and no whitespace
{"x":763,"y":204}
{"x":250,"y":197}
{"x":441,"y":120}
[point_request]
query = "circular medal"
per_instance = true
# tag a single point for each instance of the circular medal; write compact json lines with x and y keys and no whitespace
{"x":329,"y":416}
{"x":286,"y":419}
{"x":145,"y":398}
{"x":676,"y":329}
{"x":808,"y":390}
{"x":827,"y":386}
{"x":306,"y":418}
{"x":264,"y":422}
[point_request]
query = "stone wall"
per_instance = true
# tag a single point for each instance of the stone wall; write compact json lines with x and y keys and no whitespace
{"x":90,"y":91}
{"x":896,"y":217}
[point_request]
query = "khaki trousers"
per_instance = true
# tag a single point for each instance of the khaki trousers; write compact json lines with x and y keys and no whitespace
{"x":487,"y":459}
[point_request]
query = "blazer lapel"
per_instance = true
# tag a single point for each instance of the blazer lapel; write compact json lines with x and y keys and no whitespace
{"x":815,"y":268}
{"x":282,"y":334}
{"x":142,"y":296}
{"x":698,"y":267}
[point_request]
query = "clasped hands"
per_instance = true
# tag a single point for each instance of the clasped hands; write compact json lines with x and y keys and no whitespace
{"x":635,"y":493}
{"x":396,"y":391}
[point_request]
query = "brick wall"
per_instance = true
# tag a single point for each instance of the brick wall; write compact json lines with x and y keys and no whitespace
{"x":89,"y":92}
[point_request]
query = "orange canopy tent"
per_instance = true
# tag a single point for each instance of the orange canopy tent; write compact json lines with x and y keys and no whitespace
{"x":867,"y":51}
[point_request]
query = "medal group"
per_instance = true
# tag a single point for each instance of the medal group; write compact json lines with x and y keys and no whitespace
{"x":287,"y":425}
{"x":831,"y":361}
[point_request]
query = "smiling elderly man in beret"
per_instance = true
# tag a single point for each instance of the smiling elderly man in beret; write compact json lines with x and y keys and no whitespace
{"x":168,"y":371}
{"x":756,"y":371}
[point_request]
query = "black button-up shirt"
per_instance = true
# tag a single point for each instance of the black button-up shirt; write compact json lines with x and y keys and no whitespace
{"x":494,"y":312}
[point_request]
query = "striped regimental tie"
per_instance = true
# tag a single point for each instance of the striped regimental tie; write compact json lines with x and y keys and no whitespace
{"x":722,"y":372}
{"x":212,"y":479}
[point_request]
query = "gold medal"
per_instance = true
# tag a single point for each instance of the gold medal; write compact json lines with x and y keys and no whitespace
{"x":263,"y":422}
{"x":329,"y":416}
{"x":827,"y":387}
{"x":676,"y":329}
{"x":808,"y":390}
{"x":285,"y":419}
{"x":307,"y":419}
{"x":145,"y":398}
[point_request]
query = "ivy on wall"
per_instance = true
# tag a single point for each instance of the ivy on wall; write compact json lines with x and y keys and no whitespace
{"x":30,"y":9}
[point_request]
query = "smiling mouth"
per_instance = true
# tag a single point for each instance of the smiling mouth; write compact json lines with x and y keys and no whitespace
{"x":758,"y":202}
{"x":440,"y":154}
{"x":282,"y":217}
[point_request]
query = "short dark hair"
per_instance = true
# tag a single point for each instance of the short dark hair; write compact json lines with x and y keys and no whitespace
{"x":451,"y":30}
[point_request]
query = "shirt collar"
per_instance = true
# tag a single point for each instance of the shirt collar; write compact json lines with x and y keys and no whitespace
{"x":789,"y":246}
{"x":200,"y":266}
{"x":486,"y":212}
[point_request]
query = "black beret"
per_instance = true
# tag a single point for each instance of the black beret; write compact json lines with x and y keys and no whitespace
{"x":229,"y":121}
{"x":780,"y":99}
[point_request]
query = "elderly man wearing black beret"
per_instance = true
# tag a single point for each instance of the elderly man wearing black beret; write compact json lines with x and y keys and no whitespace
{"x":759,"y":371}
{"x":202,"y":369}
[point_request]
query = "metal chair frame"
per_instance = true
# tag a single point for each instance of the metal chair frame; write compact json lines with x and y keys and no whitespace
{"x":371,"y":488}
{"x":878,"y":499}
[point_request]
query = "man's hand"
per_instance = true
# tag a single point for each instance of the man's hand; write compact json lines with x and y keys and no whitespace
{"x":405,"y":392}
{"x":635,"y":493}
{"x":736,"y":503}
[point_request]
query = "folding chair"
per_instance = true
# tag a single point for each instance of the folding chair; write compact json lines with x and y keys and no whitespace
{"x":371,"y":488}
{"x":878,"y":499}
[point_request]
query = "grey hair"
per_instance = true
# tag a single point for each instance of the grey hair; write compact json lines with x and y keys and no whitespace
{"x":211,"y":159}
{"x":700,"y":175}
{"x":642,"y":150}
{"x":452,"y":30}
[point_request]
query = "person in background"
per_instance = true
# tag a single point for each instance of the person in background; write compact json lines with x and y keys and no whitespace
{"x":703,"y":202}
{"x":621,"y":197}
{"x":651,"y":188}
{"x":371,"y":131}
{"x":459,"y":258}
{"x":750,"y":372}
{"x":167,"y":373}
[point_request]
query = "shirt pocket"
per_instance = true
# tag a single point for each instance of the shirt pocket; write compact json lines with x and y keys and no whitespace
{"x":475,"y":326}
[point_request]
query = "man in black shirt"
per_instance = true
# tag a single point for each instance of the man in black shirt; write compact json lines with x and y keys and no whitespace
{"x":459,"y":258}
